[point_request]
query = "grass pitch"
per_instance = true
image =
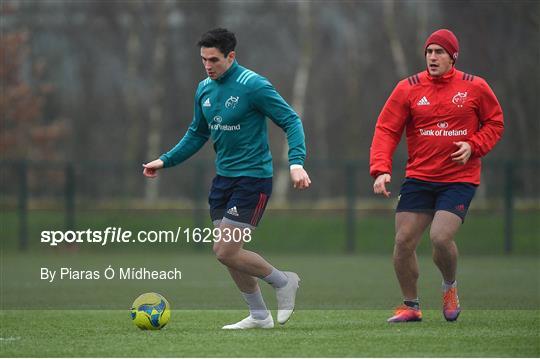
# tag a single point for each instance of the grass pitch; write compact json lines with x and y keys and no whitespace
{"x":342,"y":307}
{"x":310,"y":333}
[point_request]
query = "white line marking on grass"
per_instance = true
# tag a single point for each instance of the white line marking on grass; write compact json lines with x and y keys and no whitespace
{"x":10,"y":339}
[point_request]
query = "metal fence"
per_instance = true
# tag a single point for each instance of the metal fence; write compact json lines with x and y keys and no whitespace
{"x":345,"y":184}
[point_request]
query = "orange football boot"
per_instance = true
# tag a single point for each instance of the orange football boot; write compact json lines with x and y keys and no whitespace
{"x":405,"y":313}
{"x":451,"y":307}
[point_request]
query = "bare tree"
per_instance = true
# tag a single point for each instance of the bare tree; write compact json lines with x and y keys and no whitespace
{"x":158,"y":92}
{"x":25,"y":133}
{"x":301,"y":80}
{"x":134,"y":58}
{"x":421,"y":29}
{"x":398,"y":55}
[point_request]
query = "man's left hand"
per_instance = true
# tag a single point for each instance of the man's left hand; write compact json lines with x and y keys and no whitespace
{"x":300,"y":178}
{"x":463,"y":153}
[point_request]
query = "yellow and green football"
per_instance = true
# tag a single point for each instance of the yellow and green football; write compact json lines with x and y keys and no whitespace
{"x":150,"y":311}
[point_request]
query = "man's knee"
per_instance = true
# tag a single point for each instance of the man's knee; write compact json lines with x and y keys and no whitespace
{"x":440,"y":239}
{"x":444,"y":228}
{"x":405,"y":242}
{"x":224,"y":253}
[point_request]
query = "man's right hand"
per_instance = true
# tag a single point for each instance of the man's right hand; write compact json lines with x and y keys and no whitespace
{"x":151,"y":168}
{"x":379,"y":186}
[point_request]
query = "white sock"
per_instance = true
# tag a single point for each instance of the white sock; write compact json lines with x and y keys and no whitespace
{"x":257,"y":307}
{"x":276,"y":278}
{"x":447,"y":286}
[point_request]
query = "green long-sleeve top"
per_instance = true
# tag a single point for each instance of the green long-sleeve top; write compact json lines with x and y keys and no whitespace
{"x":232,"y":110}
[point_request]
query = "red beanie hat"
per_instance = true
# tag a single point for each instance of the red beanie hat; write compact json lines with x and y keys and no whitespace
{"x":447,"y":40}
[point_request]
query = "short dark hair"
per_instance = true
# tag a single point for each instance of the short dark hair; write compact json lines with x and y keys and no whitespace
{"x":221,"y":39}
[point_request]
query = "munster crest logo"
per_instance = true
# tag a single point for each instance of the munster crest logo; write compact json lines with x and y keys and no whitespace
{"x":459,"y":99}
{"x":232,"y":102}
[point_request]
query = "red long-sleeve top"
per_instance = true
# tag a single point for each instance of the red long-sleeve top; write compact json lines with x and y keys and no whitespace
{"x":436,"y":112}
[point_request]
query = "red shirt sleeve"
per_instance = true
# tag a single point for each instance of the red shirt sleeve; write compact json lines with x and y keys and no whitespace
{"x":388,"y":130}
{"x":491,"y":121}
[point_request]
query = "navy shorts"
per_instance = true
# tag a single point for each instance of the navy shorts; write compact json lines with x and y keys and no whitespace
{"x":422,"y":196}
{"x":239,"y":200}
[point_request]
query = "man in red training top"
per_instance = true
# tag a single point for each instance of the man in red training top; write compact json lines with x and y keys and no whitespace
{"x":452,"y":119}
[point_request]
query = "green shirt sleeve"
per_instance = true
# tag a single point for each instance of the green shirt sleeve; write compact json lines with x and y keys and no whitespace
{"x":195,"y":137}
{"x":267,"y":100}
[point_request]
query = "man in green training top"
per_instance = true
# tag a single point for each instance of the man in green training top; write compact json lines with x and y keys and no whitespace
{"x":231,"y":107}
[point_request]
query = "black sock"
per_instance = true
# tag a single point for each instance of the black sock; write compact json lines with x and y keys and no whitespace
{"x":412,"y":303}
